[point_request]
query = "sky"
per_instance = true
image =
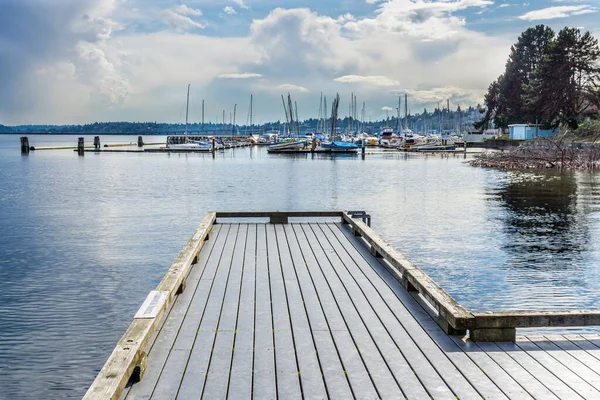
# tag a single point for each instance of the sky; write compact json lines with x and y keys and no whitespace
{"x":79,"y":61}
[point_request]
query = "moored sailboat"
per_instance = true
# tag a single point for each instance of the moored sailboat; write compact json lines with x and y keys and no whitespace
{"x":188,"y":144}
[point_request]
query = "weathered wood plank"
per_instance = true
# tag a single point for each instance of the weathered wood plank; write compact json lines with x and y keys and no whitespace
{"x":310,"y":373}
{"x":356,"y":372}
{"x":337,"y":385}
{"x":217,"y":379}
{"x":288,"y":383}
{"x":354,"y":285}
{"x":584,"y":344}
{"x":504,"y":381}
{"x":534,"y":387}
{"x":113,"y":377}
{"x":264,"y":353}
{"x":370,"y":283}
{"x":240,"y":381}
{"x":268,"y":214}
{"x":172,"y":373}
{"x":527,"y":319}
{"x":182,"y":264}
{"x":383,"y":378}
{"x":594,"y":339}
{"x":539,"y":371}
{"x":578,"y":377}
{"x":161,"y":345}
{"x":412,"y":317}
{"x":196,"y":372}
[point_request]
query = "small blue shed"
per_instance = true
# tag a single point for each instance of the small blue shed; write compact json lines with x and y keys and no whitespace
{"x":528,"y":132}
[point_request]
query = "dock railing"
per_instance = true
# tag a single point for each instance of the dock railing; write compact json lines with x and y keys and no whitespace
{"x":453,"y":318}
{"x":128,"y":360}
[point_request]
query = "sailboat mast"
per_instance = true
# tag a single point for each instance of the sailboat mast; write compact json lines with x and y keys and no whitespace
{"x":287,"y":119}
{"x":187,"y":107}
{"x":398,"y":116}
{"x":233,"y":127}
{"x":251,"y":121}
{"x":297,"y":119}
{"x":362,"y":117}
{"x":405,"y":111}
{"x":291,"y":110}
{"x":448,"y":107}
{"x":325,"y":115}
{"x":203,"y":116}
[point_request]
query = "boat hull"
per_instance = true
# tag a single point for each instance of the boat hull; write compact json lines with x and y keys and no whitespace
{"x":287,"y":146}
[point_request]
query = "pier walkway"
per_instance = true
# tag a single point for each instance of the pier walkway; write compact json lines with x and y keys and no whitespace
{"x":305,"y":310}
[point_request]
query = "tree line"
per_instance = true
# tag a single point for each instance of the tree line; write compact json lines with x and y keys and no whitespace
{"x":550,"y":79}
{"x":439,"y":119}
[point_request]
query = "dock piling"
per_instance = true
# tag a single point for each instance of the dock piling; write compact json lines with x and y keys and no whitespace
{"x":24,"y":145}
{"x":97,"y":142}
{"x":140,"y":141}
{"x":80,"y":146}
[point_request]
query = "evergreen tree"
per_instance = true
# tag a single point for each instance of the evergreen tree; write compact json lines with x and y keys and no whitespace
{"x":494,"y":112}
{"x":525,"y":57}
{"x":567,"y":82}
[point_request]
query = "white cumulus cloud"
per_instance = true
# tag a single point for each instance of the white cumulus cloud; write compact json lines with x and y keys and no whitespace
{"x":185,"y":10}
{"x":229,"y":10}
{"x":181,"y":18}
{"x":292,"y":88}
{"x":557,"y":12}
{"x":241,"y":4}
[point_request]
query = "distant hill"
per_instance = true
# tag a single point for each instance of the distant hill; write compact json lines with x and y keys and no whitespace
{"x":5,"y":129}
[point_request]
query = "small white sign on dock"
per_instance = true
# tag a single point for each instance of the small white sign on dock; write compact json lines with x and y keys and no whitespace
{"x":152,"y":305}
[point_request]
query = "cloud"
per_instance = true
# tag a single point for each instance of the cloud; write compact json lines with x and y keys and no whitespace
{"x":244,"y":75}
{"x":53,"y":61}
{"x":455,"y":94}
{"x":141,"y":73}
{"x":185,"y":10}
{"x":557,"y":12}
{"x":241,"y":4}
{"x":179,"y":18}
{"x":377,"y":80}
{"x":229,"y":10}
{"x":425,"y":19}
{"x":292,"y":88}
{"x":386,"y":108}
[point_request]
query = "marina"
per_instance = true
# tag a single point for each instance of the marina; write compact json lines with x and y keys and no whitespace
{"x":211,"y":144}
{"x":290,"y":308}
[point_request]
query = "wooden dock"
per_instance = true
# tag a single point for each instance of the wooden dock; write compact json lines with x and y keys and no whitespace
{"x":315,"y":309}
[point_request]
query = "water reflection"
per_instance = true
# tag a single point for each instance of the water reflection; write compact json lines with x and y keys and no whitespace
{"x":545,"y":237}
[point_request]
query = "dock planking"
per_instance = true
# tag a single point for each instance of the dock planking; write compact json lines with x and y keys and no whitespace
{"x":305,"y":311}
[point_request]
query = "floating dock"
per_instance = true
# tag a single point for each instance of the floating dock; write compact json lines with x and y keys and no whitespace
{"x":259,"y":306}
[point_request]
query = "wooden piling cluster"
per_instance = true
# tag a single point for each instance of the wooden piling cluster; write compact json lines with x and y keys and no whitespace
{"x":290,"y":309}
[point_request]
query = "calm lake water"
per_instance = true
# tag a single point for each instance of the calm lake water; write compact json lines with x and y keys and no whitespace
{"x":84,"y":239}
